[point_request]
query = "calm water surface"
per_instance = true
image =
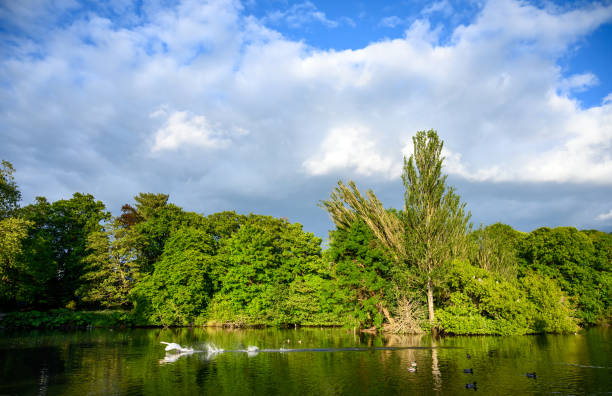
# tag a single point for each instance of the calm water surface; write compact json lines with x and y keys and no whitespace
{"x":325,"y":362}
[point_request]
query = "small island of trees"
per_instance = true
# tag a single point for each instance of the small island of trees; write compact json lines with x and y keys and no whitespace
{"x":418,"y":269}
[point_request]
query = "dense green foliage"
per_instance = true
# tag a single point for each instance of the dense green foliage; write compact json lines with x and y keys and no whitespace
{"x":9,"y":193}
{"x":13,"y":273}
{"x":111,"y":269}
{"x":266,"y":270}
{"x":157,"y":264}
{"x":494,"y":248}
{"x":49,"y":266}
{"x":363,"y":272}
{"x":180,"y":287}
{"x":481,"y":302}
{"x":579,"y":262}
{"x":67,"y":319}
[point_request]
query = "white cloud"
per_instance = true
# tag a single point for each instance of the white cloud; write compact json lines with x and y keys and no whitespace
{"x":301,"y":14}
{"x":349,"y":147}
{"x":503,"y":101}
{"x":578,"y":82}
{"x":443,"y":7}
{"x":605,"y":216}
{"x":494,"y":92}
{"x":391,"y":21}
{"x":182,"y":130}
{"x":454,"y":165}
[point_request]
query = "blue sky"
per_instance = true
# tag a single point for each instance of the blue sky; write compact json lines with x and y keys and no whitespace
{"x":261,"y":106}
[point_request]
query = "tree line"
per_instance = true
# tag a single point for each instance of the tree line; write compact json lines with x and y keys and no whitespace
{"x":421,"y":268}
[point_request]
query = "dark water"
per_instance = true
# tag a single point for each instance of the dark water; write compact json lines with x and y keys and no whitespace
{"x":326,"y":362}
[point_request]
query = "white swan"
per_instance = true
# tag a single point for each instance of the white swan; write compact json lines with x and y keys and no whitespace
{"x":174,"y":346}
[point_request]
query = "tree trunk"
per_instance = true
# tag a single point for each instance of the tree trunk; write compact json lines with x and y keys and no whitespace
{"x":383,"y":309}
{"x":385,"y":312}
{"x":430,"y":304}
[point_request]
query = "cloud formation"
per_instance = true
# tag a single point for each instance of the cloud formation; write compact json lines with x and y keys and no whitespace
{"x":78,"y":97}
{"x":605,"y":216}
{"x":300,"y":14}
{"x":182,"y":129}
{"x":350,"y":148}
{"x":391,"y":21}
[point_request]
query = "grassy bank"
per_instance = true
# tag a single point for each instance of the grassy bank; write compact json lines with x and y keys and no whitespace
{"x":66,"y":319}
{"x":69,"y":319}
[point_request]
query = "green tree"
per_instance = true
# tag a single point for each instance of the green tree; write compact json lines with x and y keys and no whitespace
{"x":436,"y":220}
{"x":180,"y":287}
{"x":13,"y":232}
{"x":602,"y":243}
{"x":223,"y":225}
{"x":482,"y":302}
{"x":150,"y":222}
{"x":258,"y":264}
{"x":131,"y":246}
{"x":553,"y":312}
{"x":312,"y":300}
{"x":9,"y":193}
{"x":56,"y":246}
{"x":111,"y":269}
{"x":433,"y":226}
{"x":348,"y":206}
{"x":570,"y":258}
{"x":495,"y":248}
{"x":363,"y":271}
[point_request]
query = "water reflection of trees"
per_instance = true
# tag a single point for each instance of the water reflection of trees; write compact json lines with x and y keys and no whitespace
{"x":126,"y":362}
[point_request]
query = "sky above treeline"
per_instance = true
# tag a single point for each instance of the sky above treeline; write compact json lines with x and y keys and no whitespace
{"x":262,"y":106}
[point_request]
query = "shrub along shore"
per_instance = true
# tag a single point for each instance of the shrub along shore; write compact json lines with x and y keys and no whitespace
{"x":425,"y":268}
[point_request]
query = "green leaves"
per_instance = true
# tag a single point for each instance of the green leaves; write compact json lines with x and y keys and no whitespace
{"x":363,"y":272}
{"x":261,"y":264}
{"x":495,"y":248}
{"x":348,"y":205}
{"x":55,"y":250}
{"x":13,"y":232}
{"x":180,"y":287}
{"x":436,"y":221}
{"x":9,"y":193}
{"x":481,"y":302}
{"x":579,"y":262}
{"x":111,"y":269}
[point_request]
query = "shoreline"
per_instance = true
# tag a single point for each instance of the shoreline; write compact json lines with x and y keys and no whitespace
{"x":64,"y":319}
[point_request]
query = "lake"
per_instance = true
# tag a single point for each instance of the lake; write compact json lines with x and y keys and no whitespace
{"x":303,"y":361}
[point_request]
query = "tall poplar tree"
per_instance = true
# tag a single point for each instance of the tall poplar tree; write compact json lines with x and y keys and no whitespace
{"x":436,"y":221}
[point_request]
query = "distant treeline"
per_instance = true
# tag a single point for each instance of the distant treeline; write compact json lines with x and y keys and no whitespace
{"x":157,"y":264}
